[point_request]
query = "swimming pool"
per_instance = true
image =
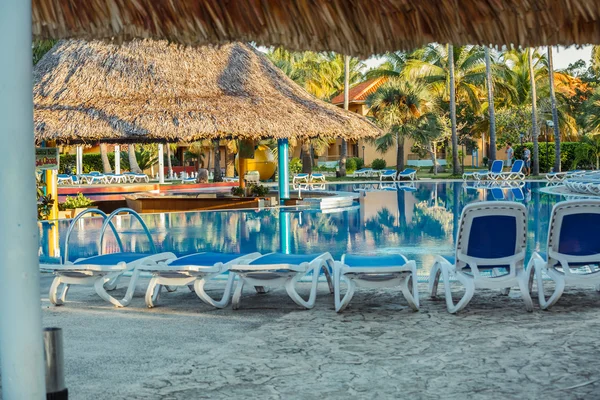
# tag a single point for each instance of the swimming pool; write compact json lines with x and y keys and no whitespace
{"x":419,"y":221}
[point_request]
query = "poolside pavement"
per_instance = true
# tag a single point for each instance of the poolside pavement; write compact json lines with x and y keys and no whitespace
{"x":377,"y":348}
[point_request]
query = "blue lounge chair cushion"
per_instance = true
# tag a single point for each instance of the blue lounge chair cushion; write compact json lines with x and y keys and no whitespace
{"x":579,"y":235}
{"x":408,"y":171}
{"x":279,"y":258}
{"x":497,"y":166}
{"x":493,"y":236}
{"x":374,"y":261}
{"x":205,"y":259}
{"x":112,"y":259}
{"x":452,"y":260}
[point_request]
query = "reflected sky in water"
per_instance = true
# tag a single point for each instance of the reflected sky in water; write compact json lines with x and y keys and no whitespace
{"x":419,"y":221}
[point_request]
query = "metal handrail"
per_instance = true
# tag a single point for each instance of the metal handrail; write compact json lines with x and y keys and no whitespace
{"x":77,"y":218}
{"x":107,"y":222}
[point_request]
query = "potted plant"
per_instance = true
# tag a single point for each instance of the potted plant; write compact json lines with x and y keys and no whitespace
{"x":75,"y":205}
{"x":238,"y":191}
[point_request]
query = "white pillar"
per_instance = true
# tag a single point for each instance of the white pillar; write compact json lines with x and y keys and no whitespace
{"x":22,"y":360}
{"x":117,"y":160}
{"x":79,"y":160}
{"x":161,"y":163}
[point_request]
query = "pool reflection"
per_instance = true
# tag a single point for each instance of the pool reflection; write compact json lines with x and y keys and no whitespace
{"x":419,"y":221}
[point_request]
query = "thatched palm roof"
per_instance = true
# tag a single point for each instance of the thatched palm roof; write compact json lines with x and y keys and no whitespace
{"x":150,"y":90}
{"x":358,"y":27}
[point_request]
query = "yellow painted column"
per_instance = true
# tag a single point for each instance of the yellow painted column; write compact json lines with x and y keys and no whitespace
{"x":242,"y":170}
{"x":52,"y":190}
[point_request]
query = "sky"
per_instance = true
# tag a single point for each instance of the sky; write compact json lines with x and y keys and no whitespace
{"x":563,"y":56}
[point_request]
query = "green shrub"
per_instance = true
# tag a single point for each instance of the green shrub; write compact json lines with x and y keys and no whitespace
{"x":238,"y":191}
{"x":295,"y":165}
{"x":378,"y":163}
{"x":79,"y":201}
{"x":360,"y":163}
{"x":259,"y":190}
{"x":569,"y":152}
{"x":350,"y":164}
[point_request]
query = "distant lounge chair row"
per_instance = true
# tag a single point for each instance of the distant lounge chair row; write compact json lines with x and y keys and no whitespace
{"x":408,"y":173}
{"x":496,"y":172}
{"x":308,"y":178}
{"x":95,"y":177}
{"x":561,"y":176}
{"x":490,"y":253}
{"x":588,"y":183}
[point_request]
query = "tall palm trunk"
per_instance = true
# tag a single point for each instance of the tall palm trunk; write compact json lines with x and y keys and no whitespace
{"x":169,"y":164}
{"x":399,"y":153}
{"x":455,"y":169}
{"x":554,"y":112}
{"x":107,"y":169}
{"x":133,"y":164}
{"x":344,"y":150}
{"x":431,"y":150}
{"x":306,"y":161}
{"x":490,"y":87}
{"x":229,"y":163}
{"x":217,"y":171}
{"x":535,"y":133}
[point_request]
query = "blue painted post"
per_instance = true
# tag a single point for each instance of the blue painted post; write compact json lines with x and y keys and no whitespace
{"x":285,"y":239}
{"x":20,"y":307}
{"x":283,"y":168}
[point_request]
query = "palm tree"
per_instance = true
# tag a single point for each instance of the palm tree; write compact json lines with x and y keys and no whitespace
{"x":133,"y":164}
{"x":455,"y":170}
{"x":217,"y":170}
{"x":490,"y":90}
{"x":536,"y":147}
{"x":392,"y":67}
{"x":399,"y":106}
{"x":554,"y":112}
{"x":344,"y":150}
{"x":107,"y":169}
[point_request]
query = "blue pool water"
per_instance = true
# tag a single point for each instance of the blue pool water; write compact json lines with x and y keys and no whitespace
{"x":419,"y":222}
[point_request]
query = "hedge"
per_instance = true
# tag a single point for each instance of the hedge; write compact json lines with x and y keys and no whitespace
{"x":91,"y":162}
{"x":547,"y":157}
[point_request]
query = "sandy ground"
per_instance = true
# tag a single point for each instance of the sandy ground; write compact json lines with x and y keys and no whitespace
{"x":377,"y":348}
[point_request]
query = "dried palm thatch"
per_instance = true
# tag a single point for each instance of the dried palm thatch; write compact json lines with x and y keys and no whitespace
{"x":149,"y":91}
{"x":358,"y":27}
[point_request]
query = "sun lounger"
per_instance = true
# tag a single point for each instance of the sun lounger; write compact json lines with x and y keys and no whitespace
{"x":93,"y":178}
{"x":286,"y":270}
{"x":375,"y":272}
{"x":573,"y":251}
{"x":194,"y":271}
{"x":298,"y":178}
{"x":188,"y":180}
{"x":407,"y":173}
{"x":560,"y":176}
{"x":317,"y":177}
{"x":65,"y":179}
{"x":102,"y":271}
{"x":231,"y":179}
{"x":116,"y":178}
{"x":363,"y":172}
{"x":135,"y":177}
{"x":515,"y":173}
{"x":387,"y":174}
{"x":493,"y":173}
{"x":491,"y":238}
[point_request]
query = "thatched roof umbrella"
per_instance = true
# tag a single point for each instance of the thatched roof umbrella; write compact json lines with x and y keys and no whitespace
{"x":153,"y":91}
{"x":359,"y":28}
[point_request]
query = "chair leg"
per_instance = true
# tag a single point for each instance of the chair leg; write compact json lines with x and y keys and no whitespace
{"x":469,"y":291}
{"x":524,"y":287}
{"x":171,"y":289}
{"x":408,"y":290}
{"x":199,"y":288}
{"x":101,"y":291}
{"x":237,"y":294}
{"x":327,"y":271}
{"x":191,"y":287}
{"x":152,"y":292}
{"x":112,"y":284}
{"x":342,"y":303}
{"x":558,"y":290}
{"x":434,"y":279}
{"x":52,"y":295}
{"x":261,"y":289}
{"x":290,"y":287}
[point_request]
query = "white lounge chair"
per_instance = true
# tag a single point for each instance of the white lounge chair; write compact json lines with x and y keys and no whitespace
{"x":194,"y":271}
{"x":116,"y":178}
{"x":135,"y":177}
{"x":65,"y":179}
{"x":286,"y":270}
{"x":317,"y":177}
{"x":407,"y":173}
{"x":93,"y":177}
{"x":561,"y":176}
{"x":492,"y":237}
{"x":363,"y":172}
{"x":104,"y":270}
{"x":474,"y":174}
{"x":375,"y":272}
{"x":231,"y":179}
{"x":302,"y":177}
{"x":515,"y":173}
{"x":573,"y":256}
{"x":387,"y":174}
{"x":493,"y":173}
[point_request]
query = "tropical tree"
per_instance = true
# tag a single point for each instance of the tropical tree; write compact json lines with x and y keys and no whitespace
{"x":491,"y":110}
{"x":107,"y":169}
{"x":534,"y":125}
{"x":452,"y":86}
{"x":133,"y":164}
{"x":217,"y":168}
{"x":402,"y":108}
{"x":392,"y":67}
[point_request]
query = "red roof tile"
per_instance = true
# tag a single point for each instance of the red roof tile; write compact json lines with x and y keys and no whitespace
{"x":359,"y":92}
